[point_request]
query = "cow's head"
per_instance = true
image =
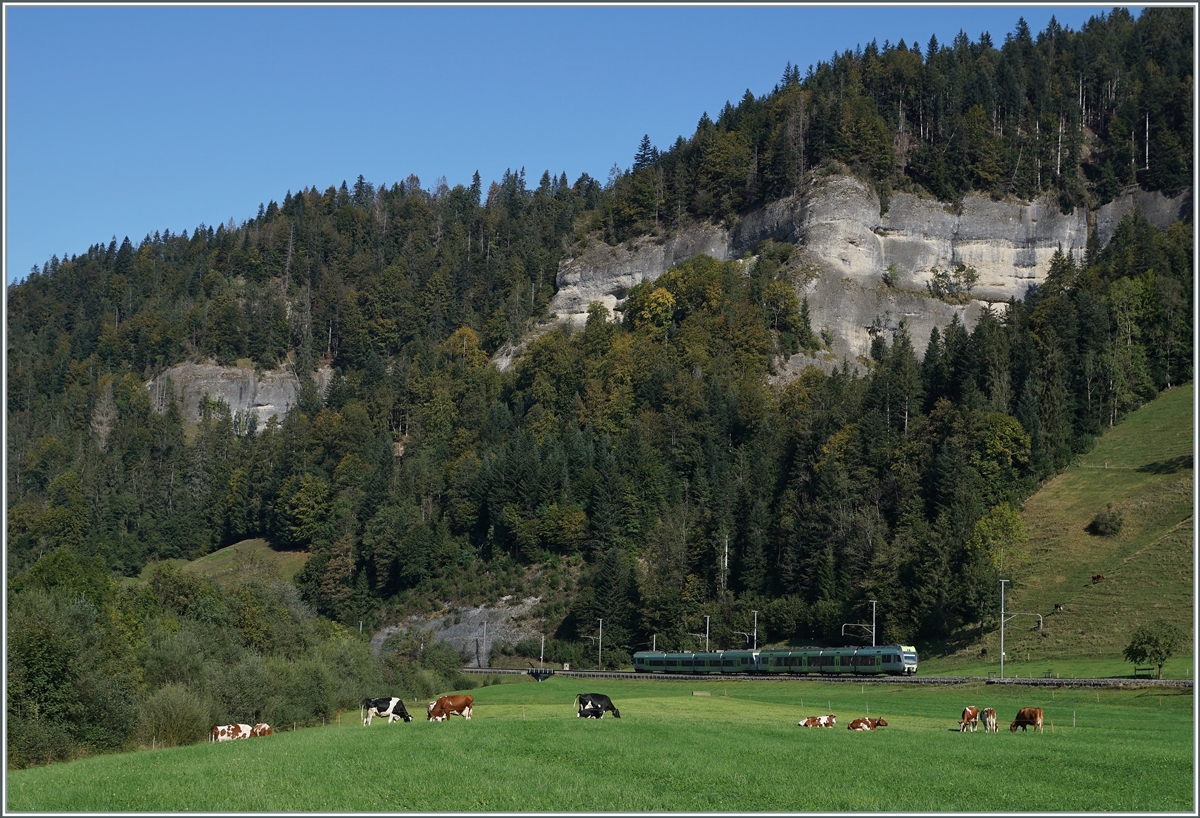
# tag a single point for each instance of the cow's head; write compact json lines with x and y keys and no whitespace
{"x":880,"y":723}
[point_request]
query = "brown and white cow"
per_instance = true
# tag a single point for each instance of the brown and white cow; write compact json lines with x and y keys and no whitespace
{"x":1028,"y":717}
{"x":229,"y":732}
{"x":989,"y":720}
{"x":819,"y":721}
{"x":866,"y":724}
{"x":260,"y":730}
{"x":448,"y":706}
{"x":970,"y":719}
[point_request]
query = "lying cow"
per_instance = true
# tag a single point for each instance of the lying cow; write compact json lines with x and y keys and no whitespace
{"x":970,"y":719}
{"x":866,"y":724}
{"x":1028,"y":717}
{"x":260,"y":730}
{"x":229,"y":732}
{"x":819,"y":721}
{"x":989,"y":720}
{"x":598,"y":702}
{"x":448,"y":706}
{"x":391,"y":707}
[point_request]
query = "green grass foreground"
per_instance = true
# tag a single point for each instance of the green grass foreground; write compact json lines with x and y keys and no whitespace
{"x":737,"y":749}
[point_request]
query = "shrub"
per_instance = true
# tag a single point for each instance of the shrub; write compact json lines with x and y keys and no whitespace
{"x":1107,"y":523}
{"x":173,"y":716}
{"x":33,"y":741}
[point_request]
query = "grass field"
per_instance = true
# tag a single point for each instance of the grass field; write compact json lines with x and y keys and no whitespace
{"x":737,"y":749}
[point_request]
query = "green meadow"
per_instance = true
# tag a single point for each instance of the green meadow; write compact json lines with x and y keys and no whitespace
{"x":736,"y":749}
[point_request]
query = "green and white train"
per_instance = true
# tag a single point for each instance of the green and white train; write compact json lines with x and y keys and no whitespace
{"x":892,"y":660}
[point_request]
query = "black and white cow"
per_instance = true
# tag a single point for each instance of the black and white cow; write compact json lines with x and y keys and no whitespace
{"x":391,"y":707}
{"x":595,"y":705}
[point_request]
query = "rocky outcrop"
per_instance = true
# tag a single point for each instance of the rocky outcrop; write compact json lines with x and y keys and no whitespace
{"x":245,"y":390}
{"x":472,"y":631}
{"x":850,"y":244}
{"x":607,"y":274}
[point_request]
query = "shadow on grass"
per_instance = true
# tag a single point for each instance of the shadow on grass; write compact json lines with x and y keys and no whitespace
{"x":1170,"y":466}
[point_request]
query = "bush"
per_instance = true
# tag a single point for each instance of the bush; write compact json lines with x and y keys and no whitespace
{"x":1107,"y":523}
{"x":32,"y":742}
{"x":173,"y":716}
{"x":303,"y":692}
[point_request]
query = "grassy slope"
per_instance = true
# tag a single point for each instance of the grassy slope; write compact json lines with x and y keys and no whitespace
{"x":241,"y":561}
{"x":738,"y":749}
{"x":1144,"y":468}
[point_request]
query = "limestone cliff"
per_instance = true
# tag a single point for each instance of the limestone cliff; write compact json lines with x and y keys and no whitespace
{"x":848,"y":243}
{"x":265,"y":394}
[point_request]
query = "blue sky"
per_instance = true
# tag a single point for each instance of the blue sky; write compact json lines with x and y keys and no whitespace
{"x":126,"y":120}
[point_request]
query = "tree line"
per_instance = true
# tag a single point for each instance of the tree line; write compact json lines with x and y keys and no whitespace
{"x":1076,"y":114}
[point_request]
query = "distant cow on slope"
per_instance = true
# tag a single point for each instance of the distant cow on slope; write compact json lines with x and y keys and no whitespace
{"x":229,"y":732}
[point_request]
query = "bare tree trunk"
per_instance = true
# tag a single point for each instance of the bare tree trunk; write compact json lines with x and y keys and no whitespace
{"x":1058,"y":156}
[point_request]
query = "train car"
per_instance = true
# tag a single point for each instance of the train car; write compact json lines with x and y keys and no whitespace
{"x":893,"y":660}
{"x":707,"y":662}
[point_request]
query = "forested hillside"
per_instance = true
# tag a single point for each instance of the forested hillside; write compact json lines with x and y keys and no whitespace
{"x":643,"y":465}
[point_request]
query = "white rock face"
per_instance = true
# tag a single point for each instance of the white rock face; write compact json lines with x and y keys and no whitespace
{"x":851,"y":244}
{"x":265,"y":394}
{"x":607,"y":274}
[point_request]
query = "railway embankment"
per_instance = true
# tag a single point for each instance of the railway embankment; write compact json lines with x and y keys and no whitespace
{"x":1122,"y":683}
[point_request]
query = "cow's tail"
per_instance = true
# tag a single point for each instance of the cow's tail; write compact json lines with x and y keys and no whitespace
{"x":577,"y":695}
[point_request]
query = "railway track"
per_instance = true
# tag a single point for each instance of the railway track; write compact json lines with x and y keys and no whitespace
{"x":902,"y":680}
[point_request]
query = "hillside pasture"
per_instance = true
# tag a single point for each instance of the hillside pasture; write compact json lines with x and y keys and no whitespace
{"x":236,"y":563}
{"x":737,"y":749}
{"x":1144,"y":468}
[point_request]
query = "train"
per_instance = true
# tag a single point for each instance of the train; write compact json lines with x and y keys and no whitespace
{"x":891,"y":660}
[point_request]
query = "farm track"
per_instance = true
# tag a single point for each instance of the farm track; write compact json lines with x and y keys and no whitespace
{"x":903,"y":680}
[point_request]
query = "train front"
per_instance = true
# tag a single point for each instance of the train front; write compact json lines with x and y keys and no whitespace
{"x":908,"y":657}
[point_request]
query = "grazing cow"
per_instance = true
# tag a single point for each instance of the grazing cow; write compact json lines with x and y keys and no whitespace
{"x":596,"y":701}
{"x":448,"y":706}
{"x":1028,"y":717}
{"x":989,"y":720}
{"x":970,"y":719}
{"x":866,"y":724}
{"x":819,"y":721}
{"x":260,"y":730}
{"x":1096,"y":578}
{"x":391,"y":707}
{"x":229,"y":732}
{"x":1058,"y":608}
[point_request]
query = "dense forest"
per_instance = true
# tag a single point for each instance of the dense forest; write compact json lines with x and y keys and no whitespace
{"x":641,"y":470}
